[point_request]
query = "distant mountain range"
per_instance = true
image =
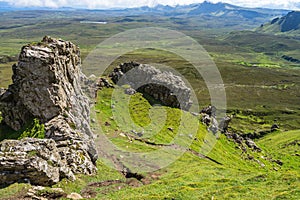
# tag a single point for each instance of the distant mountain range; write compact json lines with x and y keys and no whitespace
{"x":288,"y":24}
{"x":203,"y":15}
{"x":205,"y":8}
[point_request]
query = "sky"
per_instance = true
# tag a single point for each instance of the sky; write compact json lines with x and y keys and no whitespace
{"x":285,"y":4}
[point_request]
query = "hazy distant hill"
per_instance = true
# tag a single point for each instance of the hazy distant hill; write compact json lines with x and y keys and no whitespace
{"x":288,"y":24}
{"x":211,"y":9}
{"x":199,"y":9}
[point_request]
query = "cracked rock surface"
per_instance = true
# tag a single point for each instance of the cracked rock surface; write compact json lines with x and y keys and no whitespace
{"x":47,"y":86}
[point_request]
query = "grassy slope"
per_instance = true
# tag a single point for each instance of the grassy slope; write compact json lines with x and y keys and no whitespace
{"x":258,"y":95}
{"x":191,"y":177}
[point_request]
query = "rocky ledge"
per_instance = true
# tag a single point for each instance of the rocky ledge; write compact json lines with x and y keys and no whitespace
{"x":47,"y":86}
{"x":163,"y":86}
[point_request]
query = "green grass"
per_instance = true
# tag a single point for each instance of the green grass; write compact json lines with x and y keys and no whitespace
{"x":33,"y":129}
{"x":254,"y":74}
{"x":190,"y":177}
{"x":261,"y":88}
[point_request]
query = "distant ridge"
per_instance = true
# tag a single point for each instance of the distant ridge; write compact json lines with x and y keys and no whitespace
{"x":288,"y":24}
{"x":202,"y":9}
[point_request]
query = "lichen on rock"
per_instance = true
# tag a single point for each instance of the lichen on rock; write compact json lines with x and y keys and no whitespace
{"x":47,"y":86}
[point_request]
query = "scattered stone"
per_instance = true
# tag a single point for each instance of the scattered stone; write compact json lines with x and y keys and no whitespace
{"x":170,"y":129}
{"x":279,"y":162}
{"x":213,"y":127}
{"x":251,"y":144}
{"x":259,"y":162}
{"x":274,"y":127}
{"x":42,"y":193}
{"x":139,"y":134}
{"x":224,"y":123}
{"x":74,"y":196}
{"x":122,"y":135}
{"x":130,"y":91}
{"x":195,"y":114}
{"x":210,"y":111}
{"x":208,"y":117}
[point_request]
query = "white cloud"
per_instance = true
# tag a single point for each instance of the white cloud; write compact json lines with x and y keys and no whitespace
{"x":287,"y":4}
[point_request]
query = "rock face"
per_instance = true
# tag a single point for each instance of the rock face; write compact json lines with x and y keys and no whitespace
{"x":19,"y":160}
{"x":46,"y":86}
{"x":162,"y":86}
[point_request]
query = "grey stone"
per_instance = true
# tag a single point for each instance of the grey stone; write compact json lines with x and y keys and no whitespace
{"x":35,"y":160}
{"x":274,"y":127}
{"x":164,"y":86}
{"x":130,"y":91}
{"x":224,"y":123}
{"x":47,"y":86}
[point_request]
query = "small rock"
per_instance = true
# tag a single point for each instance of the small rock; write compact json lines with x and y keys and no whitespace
{"x":224,"y":123}
{"x":122,"y":135}
{"x":58,"y":190}
{"x":170,"y":129}
{"x":278,"y":162}
{"x":74,"y":196}
{"x":140,"y":134}
{"x":274,"y":127}
{"x":195,"y":114}
{"x":30,"y":194}
{"x":38,"y":188}
{"x":251,"y":144}
{"x":130,"y":91}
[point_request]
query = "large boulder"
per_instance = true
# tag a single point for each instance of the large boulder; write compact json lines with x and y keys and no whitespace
{"x":163,"y":86}
{"x":47,"y":86}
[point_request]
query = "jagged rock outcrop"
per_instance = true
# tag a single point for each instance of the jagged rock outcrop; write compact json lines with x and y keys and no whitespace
{"x":161,"y":85}
{"x":47,"y":86}
{"x":208,"y":117}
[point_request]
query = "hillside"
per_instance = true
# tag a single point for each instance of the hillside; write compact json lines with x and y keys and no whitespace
{"x":239,"y":176}
{"x":288,"y":24}
{"x":225,"y":12}
{"x":148,"y":148}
